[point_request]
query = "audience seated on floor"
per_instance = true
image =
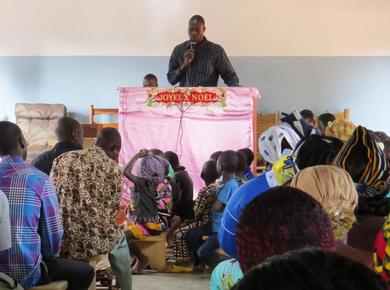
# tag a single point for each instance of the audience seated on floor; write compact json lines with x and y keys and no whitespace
{"x":204,"y":251}
{"x":69,"y":136}
{"x":277,"y":221}
{"x":36,"y":228}
{"x":151,"y":202}
{"x":310,"y":269}
{"x":202,"y":218}
{"x":183,"y":195}
{"x":327,"y":192}
{"x":274,"y":143}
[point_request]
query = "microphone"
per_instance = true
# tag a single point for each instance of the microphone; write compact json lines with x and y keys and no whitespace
{"x":192,"y":45}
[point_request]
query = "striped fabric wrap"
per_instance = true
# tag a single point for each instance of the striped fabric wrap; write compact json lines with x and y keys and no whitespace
{"x":362,"y":157}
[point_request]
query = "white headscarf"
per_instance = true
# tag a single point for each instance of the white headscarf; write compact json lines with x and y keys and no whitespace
{"x":270,"y":143}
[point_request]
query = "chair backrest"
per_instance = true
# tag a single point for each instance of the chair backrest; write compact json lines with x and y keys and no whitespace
{"x":346,"y":114}
{"x":103,"y":111}
{"x":38,"y":121}
{"x":263,"y":122}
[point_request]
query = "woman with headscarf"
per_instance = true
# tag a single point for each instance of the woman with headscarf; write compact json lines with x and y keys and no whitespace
{"x":274,"y":143}
{"x":314,"y":150}
{"x":280,"y":220}
{"x":151,"y":202}
{"x":341,"y":129}
{"x":362,"y":158}
{"x":335,"y":190}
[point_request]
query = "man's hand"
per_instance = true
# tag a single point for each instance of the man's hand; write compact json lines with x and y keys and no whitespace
{"x":189,"y":56}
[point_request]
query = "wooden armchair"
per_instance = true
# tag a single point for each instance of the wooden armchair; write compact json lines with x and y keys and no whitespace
{"x":102,"y":111}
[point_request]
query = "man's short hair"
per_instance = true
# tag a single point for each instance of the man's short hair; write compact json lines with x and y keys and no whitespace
{"x":66,"y":126}
{"x":325,"y":118}
{"x":151,"y":77}
{"x":248,"y":154}
{"x":10,"y":135}
{"x":307,"y":114}
{"x":198,"y":18}
{"x":229,"y":161}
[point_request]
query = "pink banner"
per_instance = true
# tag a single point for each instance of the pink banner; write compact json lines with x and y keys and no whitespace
{"x":193,"y":131}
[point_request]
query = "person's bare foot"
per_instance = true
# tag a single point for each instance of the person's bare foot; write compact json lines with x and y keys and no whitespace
{"x":133,"y":262}
{"x":140,"y":265}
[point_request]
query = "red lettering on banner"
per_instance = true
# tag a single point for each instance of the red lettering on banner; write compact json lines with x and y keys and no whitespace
{"x":187,"y":96}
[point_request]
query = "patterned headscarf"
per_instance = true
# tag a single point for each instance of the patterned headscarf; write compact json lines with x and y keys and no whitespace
{"x":281,"y":220}
{"x":341,"y":129}
{"x":334,"y":189}
{"x":153,"y":168}
{"x":276,"y":142}
{"x":365,"y":162}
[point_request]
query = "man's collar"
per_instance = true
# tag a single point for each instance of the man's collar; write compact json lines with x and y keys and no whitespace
{"x":67,"y":145}
{"x":9,"y":159}
{"x":203,"y":42}
{"x":99,"y":150}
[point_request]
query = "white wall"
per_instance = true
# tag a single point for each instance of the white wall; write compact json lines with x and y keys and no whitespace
{"x":153,"y":27}
{"x":139,"y":30}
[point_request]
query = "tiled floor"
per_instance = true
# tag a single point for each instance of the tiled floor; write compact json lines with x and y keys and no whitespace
{"x":160,"y":281}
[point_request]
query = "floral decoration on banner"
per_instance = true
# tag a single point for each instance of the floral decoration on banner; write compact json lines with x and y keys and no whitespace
{"x":186,"y":97}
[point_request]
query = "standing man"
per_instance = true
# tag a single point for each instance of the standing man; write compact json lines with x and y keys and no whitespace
{"x":199,"y":62}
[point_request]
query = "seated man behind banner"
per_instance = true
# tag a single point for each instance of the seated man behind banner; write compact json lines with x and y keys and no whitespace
{"x":150,"y":81}
{"x":89,"y":183}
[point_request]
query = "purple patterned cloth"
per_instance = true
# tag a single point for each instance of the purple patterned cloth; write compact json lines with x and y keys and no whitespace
{"x":36,"y":227}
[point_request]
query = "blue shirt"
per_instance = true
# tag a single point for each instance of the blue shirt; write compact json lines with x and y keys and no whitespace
{"x":223,"y":195}
{"x":248,"y":174}
{"x":236,"y":205}
{"x":226,"y":275}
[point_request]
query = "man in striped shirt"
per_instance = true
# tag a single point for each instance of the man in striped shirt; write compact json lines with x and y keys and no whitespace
{"x":36,"y":228}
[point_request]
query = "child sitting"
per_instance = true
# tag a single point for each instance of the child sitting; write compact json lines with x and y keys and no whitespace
{"x":205,"y":252}
{"x":249,"y":160}
{"x":202,"y":217}
{"x":183,"y":195}
{"x":150,"y":202}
